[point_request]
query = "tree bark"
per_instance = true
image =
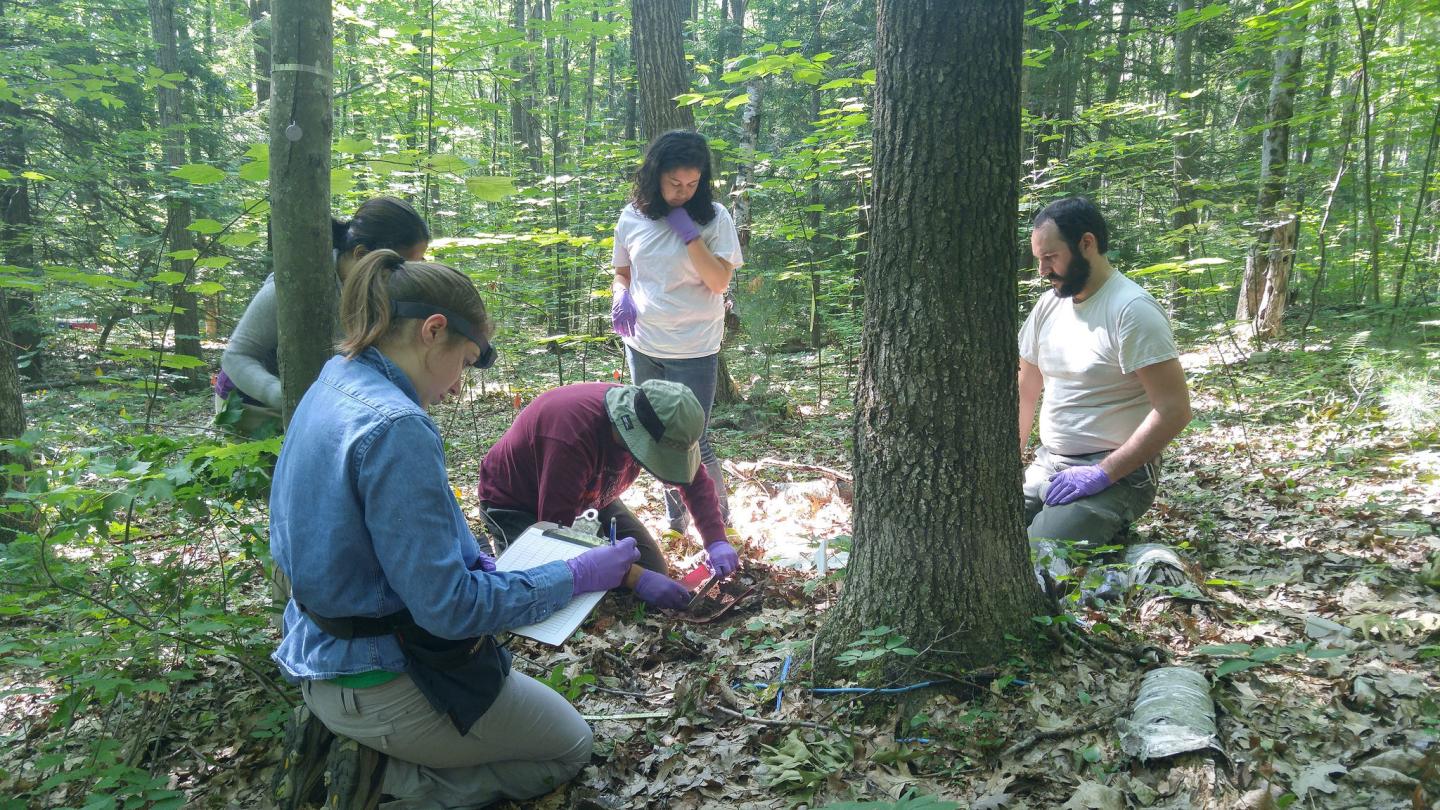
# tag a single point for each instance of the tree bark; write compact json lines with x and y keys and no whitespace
{"x":1116,"y":69}
{"x":17,"y":245}
{"x":1186,"y":145}
{"x":1267,"y":268}
{"x":940,"y":549}
{"x":1366,"y":29}
{"x":300,"y":124}
{"x":659,"y":45}
{"x":260,"y":35}
{"x":178,"y":237}
{"x":524,"y":127}
{"x":12,"y":424}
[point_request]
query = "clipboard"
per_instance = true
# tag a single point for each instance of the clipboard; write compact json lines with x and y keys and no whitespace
{"x":542,"y":543}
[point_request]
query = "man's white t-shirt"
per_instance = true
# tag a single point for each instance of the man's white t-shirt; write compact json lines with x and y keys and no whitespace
{"x":678,"y":317}
{"x":1088,"y":353}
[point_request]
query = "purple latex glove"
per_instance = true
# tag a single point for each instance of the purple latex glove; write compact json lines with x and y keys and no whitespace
{"x":1076,"y":483}
{"x":604,"y":567}
{"x":484,"y":563}
{"x":223,"y":385}
{"x":622,"y":314}
{"x":723,"y":559}
{"x":658,"y":590}
{"x":684,"y":226}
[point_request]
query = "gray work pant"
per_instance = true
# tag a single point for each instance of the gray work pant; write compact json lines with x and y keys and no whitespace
{"x":1092,"y":521}
{"x":528,"y":743}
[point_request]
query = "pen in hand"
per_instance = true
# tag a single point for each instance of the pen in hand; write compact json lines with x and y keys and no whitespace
{"x":612,"y":531}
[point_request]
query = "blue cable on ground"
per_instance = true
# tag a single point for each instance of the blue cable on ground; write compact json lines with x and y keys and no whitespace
{"x":784,"y":673}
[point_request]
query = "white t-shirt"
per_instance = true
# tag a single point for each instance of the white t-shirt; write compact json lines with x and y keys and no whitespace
{"x":678,"y":316}
{"x":1088,"y":353}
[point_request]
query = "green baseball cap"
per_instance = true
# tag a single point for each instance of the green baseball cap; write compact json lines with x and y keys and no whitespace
{"x":661,"y":423}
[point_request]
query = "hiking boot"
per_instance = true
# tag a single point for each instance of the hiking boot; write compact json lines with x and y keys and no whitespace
{"x":298,"y":778}
{"x":354,"y":775}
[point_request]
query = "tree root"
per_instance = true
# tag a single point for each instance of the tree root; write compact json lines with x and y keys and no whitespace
{"x":1062,"y":733}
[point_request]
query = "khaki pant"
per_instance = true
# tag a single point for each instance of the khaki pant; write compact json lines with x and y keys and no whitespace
{"x":530,"y":742}
{"x":1092,"y":521}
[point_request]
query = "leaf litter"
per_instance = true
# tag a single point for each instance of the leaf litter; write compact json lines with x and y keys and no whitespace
{"x":1306,"y":516}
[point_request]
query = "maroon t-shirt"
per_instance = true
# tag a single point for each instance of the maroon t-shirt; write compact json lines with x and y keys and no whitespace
{"x":560,"y":457}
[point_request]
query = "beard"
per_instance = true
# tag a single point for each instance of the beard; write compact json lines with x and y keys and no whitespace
{"x":1077,"y":274}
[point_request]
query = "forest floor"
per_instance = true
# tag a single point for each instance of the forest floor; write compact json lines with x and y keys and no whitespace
{"x":1305,"y":495}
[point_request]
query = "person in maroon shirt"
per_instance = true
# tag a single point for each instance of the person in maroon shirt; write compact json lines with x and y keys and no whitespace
{"x":581,"y":446}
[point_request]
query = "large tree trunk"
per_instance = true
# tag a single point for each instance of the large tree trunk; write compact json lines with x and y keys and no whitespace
{"x":658,"y":40}
{"x":940,"y":549}
{"x":1267,"y":268}
{"x":178,"y":238}
{"x":300,"y":124}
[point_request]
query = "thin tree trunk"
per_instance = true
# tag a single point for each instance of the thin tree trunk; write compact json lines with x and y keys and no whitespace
{"x":1116,"y":69}
{"x":939,"y":551}
{"x":178,"y":237}
{"x":727,"y":391}
{"x":1420,"y":196}
{"x":16,"y":240}
{"x":260,"y":35}
{"x":593,"y":47}
{"x":12,"y":425}
{"x":1186,"y":145}
{"x":300,"y":124}
{"x":1366,"y":30}
{"x":523,"y":126}
{"x":816,"y":317}
{"x":1265,"y":286}
{"x":1340,"y":155}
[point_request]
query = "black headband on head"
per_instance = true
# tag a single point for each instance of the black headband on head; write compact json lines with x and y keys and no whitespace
{"x":420,"y":309}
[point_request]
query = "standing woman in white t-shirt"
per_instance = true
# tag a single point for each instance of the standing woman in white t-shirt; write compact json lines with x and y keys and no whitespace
{"x":675,"y":252}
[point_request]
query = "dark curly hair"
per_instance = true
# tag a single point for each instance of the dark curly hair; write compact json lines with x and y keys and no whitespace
{"x":676,"y":149}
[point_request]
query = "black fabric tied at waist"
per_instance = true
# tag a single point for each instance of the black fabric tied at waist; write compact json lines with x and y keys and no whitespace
{"x":460,"y":677}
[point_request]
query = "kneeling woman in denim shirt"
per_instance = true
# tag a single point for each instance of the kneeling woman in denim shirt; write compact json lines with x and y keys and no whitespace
{"x":394,"y":606}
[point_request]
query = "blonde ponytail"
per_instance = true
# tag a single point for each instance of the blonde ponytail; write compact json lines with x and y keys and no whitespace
{"x":383,"y":278}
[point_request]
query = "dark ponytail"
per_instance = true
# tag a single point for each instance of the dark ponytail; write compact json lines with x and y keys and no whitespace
{"x":381,"y":223}
{"x":339,"y":232}
{"x":383,"y":277}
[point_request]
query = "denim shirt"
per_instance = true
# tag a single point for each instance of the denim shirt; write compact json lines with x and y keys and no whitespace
{"x":363,"y":521}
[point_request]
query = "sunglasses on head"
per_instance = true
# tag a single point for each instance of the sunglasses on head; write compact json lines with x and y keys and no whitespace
{"x":418,"y":309}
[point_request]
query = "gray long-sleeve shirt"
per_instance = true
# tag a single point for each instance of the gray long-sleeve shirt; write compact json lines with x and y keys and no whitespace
{"x":251,"y":360}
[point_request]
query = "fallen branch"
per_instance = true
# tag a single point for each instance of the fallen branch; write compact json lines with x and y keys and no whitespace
{"x":779,"y":723}
{"x":833,"y":473}
{"x":631,"y":716}
{"x":1062,"y":733}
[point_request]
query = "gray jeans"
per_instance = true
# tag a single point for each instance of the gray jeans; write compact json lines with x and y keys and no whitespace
{"x":697,"y":374}
{"x":1092,"y":521}
{"x":528,"y":743}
